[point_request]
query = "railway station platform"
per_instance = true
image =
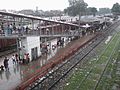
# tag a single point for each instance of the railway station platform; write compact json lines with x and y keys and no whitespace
{"x":19,"y":75}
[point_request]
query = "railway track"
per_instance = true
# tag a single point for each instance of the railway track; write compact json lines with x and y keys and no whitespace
{"x":108,"y":62}
{"x":63,"y":69}
{"x":99,"y":73}
{"x":51,"y":79}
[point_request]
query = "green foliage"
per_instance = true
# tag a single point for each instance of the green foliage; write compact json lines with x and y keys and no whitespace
{"x":104,"y":10}
{"x":91,"y":11}
{"x":116,"y":9}
{"x":76,"y":7}
{"x":87,"y":77}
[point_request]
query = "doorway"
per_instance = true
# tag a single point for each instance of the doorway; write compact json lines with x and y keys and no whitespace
{"x":34,"y":53}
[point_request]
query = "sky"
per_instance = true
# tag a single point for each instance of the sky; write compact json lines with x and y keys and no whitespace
{"x":50,"y":4}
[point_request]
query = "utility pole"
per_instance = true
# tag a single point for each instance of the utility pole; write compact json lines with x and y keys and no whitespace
{"x":79,"y":19}
{"x":20,"y":45}
{"x":80,"y":31}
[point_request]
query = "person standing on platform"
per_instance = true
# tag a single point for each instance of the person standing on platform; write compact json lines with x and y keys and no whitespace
{"x":6,"y":30}
{"x":14,"y":28}
{"x":53,"y":47}
{"x":11,"y":29}
{"x":16,"y":57}
{"x":28,"y":58}
{"x":19,"y":29}
{"x":2,"y":68}
{"x":6,"y":63}
{"x":2,"y":28}
{"x":13,"y":59}
{"x":26,"y":29}
{"x":22,"y":30}
{"x":24,"y":59}
{"x":21,"y":57}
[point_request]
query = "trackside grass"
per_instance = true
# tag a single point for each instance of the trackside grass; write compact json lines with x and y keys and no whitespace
{"x":97,"y":72}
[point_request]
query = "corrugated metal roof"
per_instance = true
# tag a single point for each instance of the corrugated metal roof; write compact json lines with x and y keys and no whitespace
{"x":35,"y":18}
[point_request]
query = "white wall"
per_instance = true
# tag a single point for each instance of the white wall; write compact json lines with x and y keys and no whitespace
{"x":31,"y":42}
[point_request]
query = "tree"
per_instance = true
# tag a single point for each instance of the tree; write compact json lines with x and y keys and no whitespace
{"x":94,"y":11}
{"x":104,"y":11}
{"x":72,"y":2}
{"x":91,"y":11}
{"x":116,"y":9}
{"x":76,"y":7}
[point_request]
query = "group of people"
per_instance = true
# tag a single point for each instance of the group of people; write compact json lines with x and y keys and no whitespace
{"x":5,"y":62}
{"x":15,"y":59}
{"x":5,"y":65}
{"x":9,"y":29}
{"x":60,"y":42}
{"x":46,"y":49}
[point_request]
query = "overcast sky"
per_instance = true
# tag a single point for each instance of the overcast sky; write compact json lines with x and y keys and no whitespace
{"x":50,"y":4}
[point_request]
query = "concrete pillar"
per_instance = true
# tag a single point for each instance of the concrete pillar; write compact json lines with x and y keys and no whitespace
{"x":39,"y":27}
{"x":53,"y":28}
{"x":62,"y":29}
{"x":57,"y":30}
{"x":69,"y":29}
{"x":8,"y":20}
{"x":22,"y":31}
{"x":20,"y":48}
{"x":32,"y":26}
{"x":79,"y":19}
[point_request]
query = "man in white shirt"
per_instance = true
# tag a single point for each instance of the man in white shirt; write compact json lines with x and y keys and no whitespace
{"x":13,"y":58}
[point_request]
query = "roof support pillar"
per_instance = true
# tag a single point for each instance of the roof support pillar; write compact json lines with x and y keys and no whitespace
{"x":62,"y":29}
{"x":33,"y":31}
{"x":39,"y":27}
{"x":53,"y":29}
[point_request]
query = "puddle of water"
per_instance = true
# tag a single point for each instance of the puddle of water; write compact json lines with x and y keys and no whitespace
{"x":108,"y":39}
